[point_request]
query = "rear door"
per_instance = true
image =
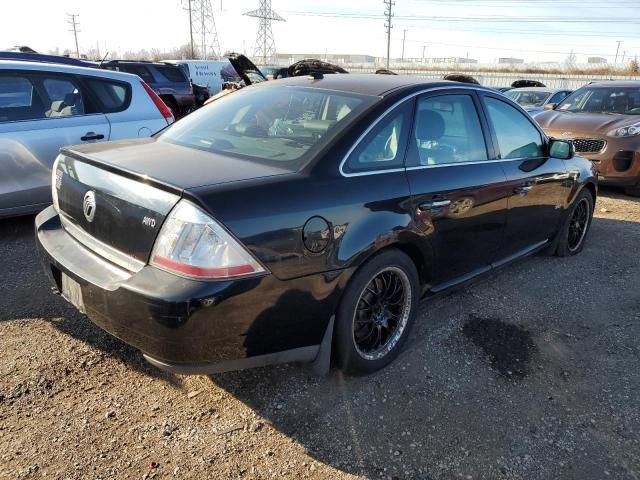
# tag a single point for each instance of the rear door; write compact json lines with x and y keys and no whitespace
{"x":41,"y":113}
{"x":458,"y":192}
{"x":538,"y":185}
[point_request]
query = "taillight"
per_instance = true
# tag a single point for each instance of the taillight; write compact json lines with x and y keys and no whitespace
{"x":164,"y":110}
{"x":193,"y":244}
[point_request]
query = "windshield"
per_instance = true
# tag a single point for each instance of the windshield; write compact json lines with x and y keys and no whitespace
{"x":529,"y":98}
{"x":621,"y":100}
{"x":275,"y":125}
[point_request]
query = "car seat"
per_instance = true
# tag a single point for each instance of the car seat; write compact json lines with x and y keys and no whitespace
{"x":429,"y":129}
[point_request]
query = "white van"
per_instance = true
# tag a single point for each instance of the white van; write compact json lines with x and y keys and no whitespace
{"x":206,"y":72}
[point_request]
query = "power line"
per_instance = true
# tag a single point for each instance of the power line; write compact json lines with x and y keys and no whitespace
{"x":75,"y":30}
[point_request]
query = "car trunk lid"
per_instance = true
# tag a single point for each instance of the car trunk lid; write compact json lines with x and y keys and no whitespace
{"x":114,"y":199}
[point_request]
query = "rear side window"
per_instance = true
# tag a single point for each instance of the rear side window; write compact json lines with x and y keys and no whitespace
{"x":517,"y":137}
{"x":141,"y":71}
{"x":384,"y":147}
{"x":18,"y":99}
{"x":112,"y":96}
{"x":65,"y":98}
{"x":447,"y":130}
{"x":172,"y":74}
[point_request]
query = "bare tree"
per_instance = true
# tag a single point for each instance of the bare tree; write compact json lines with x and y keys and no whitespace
{"x":570,"y":61}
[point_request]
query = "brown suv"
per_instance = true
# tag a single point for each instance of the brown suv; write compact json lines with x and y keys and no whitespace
{"x":603,"y":122}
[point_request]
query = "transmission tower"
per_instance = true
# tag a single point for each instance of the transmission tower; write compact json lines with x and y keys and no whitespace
{"x":202,"y":29}
{"x":265,"y":50}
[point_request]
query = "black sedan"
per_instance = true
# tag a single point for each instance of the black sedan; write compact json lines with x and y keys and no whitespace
{"x":304,"y":219}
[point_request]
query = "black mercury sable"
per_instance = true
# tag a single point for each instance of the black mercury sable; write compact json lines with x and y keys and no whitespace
{"x":304,"y":219}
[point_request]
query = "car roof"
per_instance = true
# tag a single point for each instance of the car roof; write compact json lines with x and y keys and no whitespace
{"x":61,"y":68}
{"x":615,"y":83}
{"x":539,"y":89}
{"x":365,"y":84}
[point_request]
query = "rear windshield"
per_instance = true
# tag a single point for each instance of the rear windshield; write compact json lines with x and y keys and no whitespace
{"x":621,"y":100}
{"x":275,"y":125}
{"x":529,"y":98}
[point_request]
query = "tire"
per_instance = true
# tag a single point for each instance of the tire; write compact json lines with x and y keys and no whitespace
{"x":633,"y":191}
{"x":576,"y":227}
{"x":370,"y":307}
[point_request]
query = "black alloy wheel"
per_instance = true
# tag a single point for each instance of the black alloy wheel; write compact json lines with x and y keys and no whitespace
{"x":376,"y":312}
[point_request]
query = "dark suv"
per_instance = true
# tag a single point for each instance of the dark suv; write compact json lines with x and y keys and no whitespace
{"x":167,"y":80}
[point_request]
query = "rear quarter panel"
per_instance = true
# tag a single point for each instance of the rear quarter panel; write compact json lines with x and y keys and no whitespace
{"x":141,"y":119}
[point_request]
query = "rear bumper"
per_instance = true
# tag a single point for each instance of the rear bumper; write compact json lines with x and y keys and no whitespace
{"x":190,"y":326}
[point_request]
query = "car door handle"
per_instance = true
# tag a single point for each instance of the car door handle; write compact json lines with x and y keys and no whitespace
{"x":434,"y":204}
{"x":92,"y":136}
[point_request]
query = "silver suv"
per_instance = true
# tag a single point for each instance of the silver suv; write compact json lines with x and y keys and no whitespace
{"x":47,"y":106}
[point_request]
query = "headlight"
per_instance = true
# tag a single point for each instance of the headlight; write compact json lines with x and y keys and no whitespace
{"x":56,"y":181}
{"x":628,"y":131}
{"x":193,"y":244}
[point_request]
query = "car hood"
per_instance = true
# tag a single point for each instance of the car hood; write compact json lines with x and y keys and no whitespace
{"x":557,"y":122}
{"x":158,"y":162}
{"x":246,"y":69}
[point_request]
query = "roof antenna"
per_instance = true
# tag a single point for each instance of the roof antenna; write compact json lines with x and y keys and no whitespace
{"x":103,"y":59}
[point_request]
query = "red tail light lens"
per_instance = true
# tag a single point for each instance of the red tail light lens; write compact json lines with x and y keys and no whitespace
{"x":161,"y":106}
{"x":192,"y":244}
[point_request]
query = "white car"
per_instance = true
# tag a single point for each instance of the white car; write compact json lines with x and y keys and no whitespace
{"x":45,"y":106}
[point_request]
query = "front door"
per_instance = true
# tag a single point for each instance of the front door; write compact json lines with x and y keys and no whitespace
{"x":539,"y":185}
{"x":459,"y":200}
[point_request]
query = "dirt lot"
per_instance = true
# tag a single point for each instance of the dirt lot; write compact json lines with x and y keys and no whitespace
{"x":533,"y":373}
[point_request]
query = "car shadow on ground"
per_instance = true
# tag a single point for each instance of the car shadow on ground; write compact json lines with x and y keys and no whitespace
{"x":617,"y":193}
{"x":25,"y":294}
{"x":492,"y":381}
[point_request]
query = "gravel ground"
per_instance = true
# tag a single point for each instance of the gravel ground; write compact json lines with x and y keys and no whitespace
{"x":533,"y":373}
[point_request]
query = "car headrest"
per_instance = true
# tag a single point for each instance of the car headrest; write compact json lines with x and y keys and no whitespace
{"x":429,"y":125}
{"x":70,"y":99}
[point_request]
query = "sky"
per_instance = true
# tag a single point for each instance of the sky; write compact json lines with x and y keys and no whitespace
{"x":536,"y":30}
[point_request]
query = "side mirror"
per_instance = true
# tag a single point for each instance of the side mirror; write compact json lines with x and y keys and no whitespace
{"x":550,"y":106}
{"x":561,"y":149}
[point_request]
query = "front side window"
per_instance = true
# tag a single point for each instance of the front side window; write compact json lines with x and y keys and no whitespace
{"x":558,"y":97}
{"x":18,"y":100}
{"x":275,"y":125}
{"x":64,"y":96}
{"x":447,"y":130}
{"x":517,"y":137}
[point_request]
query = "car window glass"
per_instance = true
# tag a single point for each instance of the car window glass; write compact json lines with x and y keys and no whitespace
{"x":172,"y":74}
{"x":66,"y":99}
{"x":447,"y":130}
{"x":111,"y":95}
{"x":383,"y":147}
{"x":517,"y":137}
{"x":558,"y":97}
{"x":277,"y":125}
{"x":18,"y":100}
{"x":139,"y":70}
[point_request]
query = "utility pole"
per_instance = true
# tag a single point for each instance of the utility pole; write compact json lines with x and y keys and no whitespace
{"x":624,"y":53}
{"x":404,"y":36}
{"x":423,"y":49}
{"x":74,"y":24}
{"x":617,"y":49}
{"x":265,"y":44}
{"x":193,"y":55}
{"x":388,"y":26}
